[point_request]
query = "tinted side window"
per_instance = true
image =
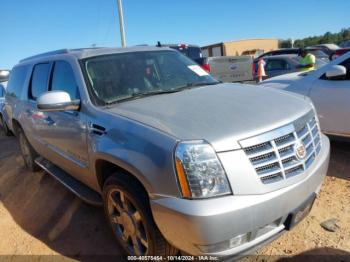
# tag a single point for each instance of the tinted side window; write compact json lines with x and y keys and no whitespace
{"x":2,"y":93}
{"x":63,"y":79}
{"x":16,"y":81}
{"x":276,"y":65}
{"x":39,"y":80}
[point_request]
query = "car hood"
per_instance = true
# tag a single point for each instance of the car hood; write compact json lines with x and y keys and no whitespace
{"x":221,"y":114}
{"x":287,"y":79}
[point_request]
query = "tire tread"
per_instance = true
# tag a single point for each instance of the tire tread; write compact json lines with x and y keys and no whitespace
{"x":161,"y":246}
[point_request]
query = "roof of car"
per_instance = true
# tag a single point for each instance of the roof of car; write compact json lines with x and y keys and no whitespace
{"x":81,"y":53}
{"x":179,"y":45}
{"x":329,"y":46}
{"x":281,"y":56}
{"x":285,"y":49}
{"x":293,"y":49}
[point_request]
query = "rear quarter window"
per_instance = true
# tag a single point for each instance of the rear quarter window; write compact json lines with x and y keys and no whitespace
{"x":15,"y":84}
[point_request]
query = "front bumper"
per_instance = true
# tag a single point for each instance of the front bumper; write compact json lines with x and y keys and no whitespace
{"x":192,"y":224}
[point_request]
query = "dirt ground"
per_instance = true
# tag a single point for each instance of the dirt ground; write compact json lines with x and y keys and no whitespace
{"x":38,"y":216}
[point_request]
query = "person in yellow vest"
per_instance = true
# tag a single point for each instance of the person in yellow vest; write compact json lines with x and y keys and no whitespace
{"x":307,"y":62}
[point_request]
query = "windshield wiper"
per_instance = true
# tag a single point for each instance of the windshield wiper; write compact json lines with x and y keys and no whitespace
{"x":190,"y":85}
{"x":159,"y":92}
{"x":142,"y":94}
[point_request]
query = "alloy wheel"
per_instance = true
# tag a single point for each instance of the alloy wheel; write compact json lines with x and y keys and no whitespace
{"x":127,"y":222}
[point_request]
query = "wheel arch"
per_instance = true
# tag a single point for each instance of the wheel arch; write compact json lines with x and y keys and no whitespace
{"x":105,"y":166}
{"x":16,"y":127}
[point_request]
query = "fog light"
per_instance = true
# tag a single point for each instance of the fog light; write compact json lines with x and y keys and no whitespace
{"x":225,"y":245}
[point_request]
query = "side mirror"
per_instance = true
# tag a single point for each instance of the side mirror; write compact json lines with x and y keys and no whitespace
{"x":54,"y":101}
{"x":335,"y":72}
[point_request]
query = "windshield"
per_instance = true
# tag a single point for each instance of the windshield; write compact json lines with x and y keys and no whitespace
{"x":117,"y":77}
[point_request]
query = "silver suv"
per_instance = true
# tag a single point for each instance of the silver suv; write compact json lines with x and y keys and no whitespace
{"x":178,"y":160}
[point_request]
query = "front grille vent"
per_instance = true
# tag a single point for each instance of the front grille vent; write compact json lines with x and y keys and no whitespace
{"x":276,"y":159}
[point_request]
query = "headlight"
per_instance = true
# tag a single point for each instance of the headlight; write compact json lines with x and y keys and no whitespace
{"x":199,"y":171}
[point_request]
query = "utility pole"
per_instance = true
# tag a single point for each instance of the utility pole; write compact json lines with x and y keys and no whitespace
{"x":121,"y":23}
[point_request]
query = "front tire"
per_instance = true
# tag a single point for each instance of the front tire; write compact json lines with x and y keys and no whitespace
{"x":28,"y":153}
{"x":128,"y":212}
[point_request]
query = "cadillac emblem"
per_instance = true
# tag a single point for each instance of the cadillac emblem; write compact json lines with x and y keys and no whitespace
{"x":300,"y":150}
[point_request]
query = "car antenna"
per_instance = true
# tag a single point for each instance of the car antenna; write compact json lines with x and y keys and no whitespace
{"x":159,"y":44}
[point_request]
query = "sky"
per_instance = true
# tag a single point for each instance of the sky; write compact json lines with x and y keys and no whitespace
{"x":29,"y":27}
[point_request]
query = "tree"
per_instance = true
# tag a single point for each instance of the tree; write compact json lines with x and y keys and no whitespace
{"x":327,"y":38}
{"x":285,"y":43}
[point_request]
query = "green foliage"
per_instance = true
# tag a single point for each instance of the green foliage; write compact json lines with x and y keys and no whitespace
{"x":327,"y":38}
{"x":285,"y":43}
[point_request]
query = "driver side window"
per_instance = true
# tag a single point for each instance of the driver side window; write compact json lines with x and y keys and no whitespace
{"x":63,"y":79}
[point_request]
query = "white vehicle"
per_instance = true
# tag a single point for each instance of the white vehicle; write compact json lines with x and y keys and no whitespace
{"x":329,"y":90}
{"x":231,"y":68}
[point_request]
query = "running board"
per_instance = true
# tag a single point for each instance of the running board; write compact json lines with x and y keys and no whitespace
{"x":79,"y":189}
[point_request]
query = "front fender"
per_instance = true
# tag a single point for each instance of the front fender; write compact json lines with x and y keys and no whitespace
{"x":98,"y":156}
{"x":146,"y":154}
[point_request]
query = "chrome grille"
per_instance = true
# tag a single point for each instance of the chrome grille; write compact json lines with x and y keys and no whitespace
{"x":273,"y":154}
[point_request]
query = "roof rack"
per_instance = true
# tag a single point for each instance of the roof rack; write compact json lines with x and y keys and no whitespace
{"x":59,"y":52}
{"x":56,"y":52}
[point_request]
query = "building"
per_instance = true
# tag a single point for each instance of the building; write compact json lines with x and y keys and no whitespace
{"x":240,"y":47}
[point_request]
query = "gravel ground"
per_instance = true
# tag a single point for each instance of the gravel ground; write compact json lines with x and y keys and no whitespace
{"x":38,"y":216}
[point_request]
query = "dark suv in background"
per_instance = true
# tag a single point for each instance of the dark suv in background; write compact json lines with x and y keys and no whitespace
{"x":192,"y":51}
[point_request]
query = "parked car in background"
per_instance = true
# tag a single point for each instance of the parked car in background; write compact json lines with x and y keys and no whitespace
{"x":318,"y":53}
{"x":329,"y":49}
{"x":339,"y":52}
{"x":178,"y":160}
{"x":192,"y":51}
{"x":329,"y":90}
{"x":4,"y":75}
{"x":345,"y":44}
{"x":230,"y":68}
{"x":283,"y":64}
{"x":3,"y":123}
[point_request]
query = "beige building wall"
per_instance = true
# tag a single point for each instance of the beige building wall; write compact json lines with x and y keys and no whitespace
{"x":237,"y":47}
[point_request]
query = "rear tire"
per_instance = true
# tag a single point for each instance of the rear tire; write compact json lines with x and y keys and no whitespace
{"x":4,"y":126}
{"x":28,"y":153}
{"x":129,"y":215}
